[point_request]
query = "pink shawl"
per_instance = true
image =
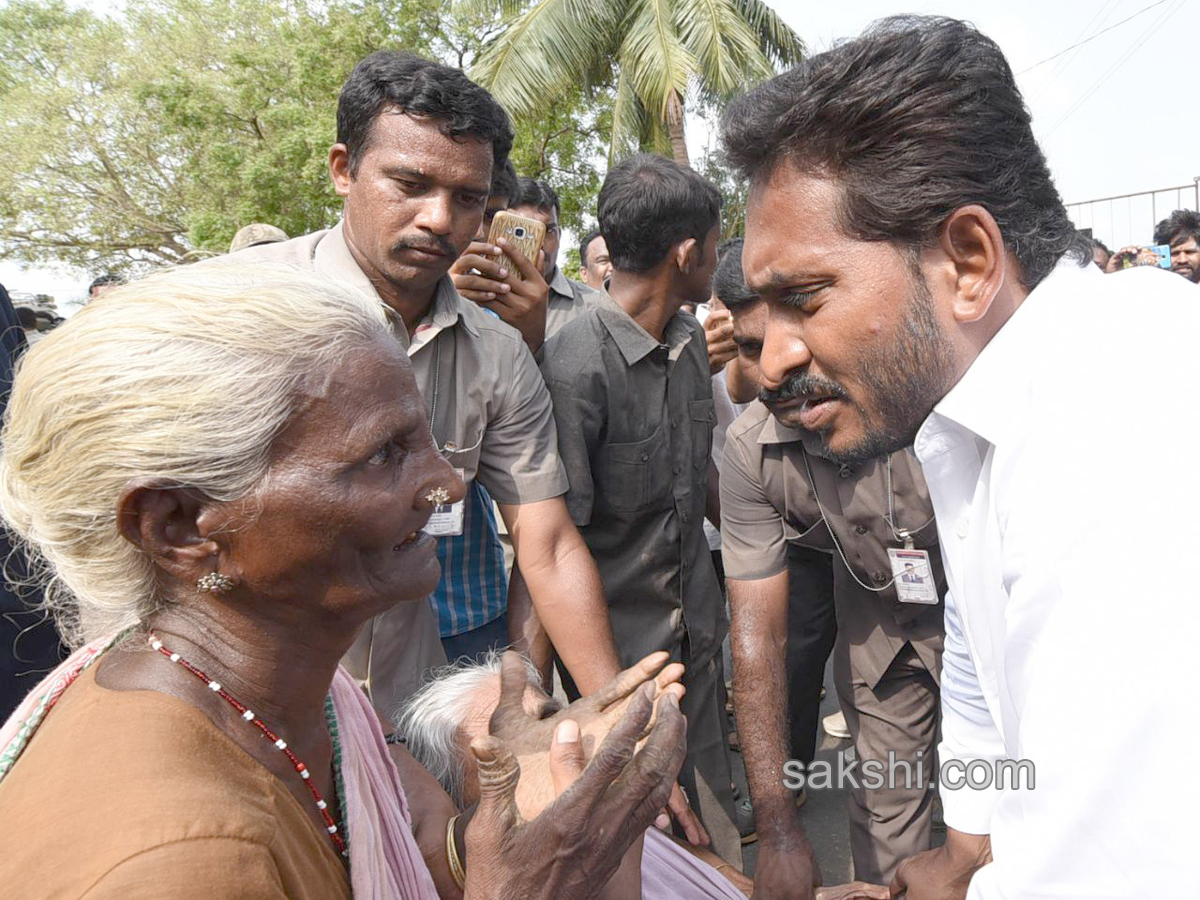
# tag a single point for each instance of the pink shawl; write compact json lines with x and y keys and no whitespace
{"x":385,"y":861}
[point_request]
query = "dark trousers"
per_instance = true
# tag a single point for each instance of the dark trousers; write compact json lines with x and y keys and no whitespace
{"x":812,"y":627}
{"x":478,"y":642}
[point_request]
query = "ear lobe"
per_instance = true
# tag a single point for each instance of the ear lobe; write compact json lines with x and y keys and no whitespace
{"x":165,"y":522}
{"x":339,"y":169}
{"x":971,"y":240}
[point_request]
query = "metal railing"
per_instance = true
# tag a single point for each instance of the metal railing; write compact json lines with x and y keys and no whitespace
{"x":1126,"y":219}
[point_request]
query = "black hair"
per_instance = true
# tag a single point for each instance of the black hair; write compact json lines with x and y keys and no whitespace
{"x":504,"y":181}
{"x":531,"y":192}
{"x":583,"y":245}
{"x":392,"y":80}
{"x":102,"y":280}
{"x":648,"y":204}
{"x":1178,"y":227}
{"x":729,"y":284}
{"x":1099,"y":245}
{"x":917,"y":117}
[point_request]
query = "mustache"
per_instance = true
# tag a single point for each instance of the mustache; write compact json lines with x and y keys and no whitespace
{"x":802,"y":384}
{"x":433,"y":244}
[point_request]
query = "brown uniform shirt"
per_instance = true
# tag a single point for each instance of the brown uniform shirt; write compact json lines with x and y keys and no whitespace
{"x":768,"y":501}
{"x":136,"y":795}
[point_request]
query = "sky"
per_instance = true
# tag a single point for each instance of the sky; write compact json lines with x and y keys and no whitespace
{"x":1117,"y":115}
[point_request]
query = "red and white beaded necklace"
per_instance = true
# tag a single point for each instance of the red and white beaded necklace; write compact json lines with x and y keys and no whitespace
{"x":249,"y":716}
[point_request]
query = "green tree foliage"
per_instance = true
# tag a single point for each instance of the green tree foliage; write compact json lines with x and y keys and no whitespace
{"x":652,"y":52}
{"x":153,"y":136}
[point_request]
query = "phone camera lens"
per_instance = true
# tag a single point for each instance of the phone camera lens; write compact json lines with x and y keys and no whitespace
{"x":518,"y":232}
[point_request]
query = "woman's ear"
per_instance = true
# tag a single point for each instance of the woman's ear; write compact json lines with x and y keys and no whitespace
{"x":971,"y":240}
{"x":164,"y":522}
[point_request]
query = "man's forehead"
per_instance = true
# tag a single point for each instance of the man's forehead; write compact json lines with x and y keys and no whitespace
{"x":418,"y":144}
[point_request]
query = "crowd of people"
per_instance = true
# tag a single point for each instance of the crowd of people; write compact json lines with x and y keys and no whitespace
{"x":392,"y":562}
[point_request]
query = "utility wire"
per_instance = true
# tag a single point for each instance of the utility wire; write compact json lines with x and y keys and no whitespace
{"x":1124,"y":58}
{"x":1093,"y":37}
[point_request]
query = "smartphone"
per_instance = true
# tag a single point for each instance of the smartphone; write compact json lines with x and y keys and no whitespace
{"x":525,"y":234}
{"x":1148,"y":255}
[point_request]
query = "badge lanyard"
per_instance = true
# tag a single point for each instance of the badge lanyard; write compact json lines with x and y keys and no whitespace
{"x":446,"y":520}
{"x":911,"y":573}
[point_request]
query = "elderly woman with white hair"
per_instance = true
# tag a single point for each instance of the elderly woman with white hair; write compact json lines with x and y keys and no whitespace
{"x":221,"y":474}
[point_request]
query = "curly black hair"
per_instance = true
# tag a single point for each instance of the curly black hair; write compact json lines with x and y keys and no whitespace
{"x":395,"y":80}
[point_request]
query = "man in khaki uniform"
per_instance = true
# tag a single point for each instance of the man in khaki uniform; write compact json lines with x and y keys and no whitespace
{"x":777,"y":488}
{"x":417,"y":143}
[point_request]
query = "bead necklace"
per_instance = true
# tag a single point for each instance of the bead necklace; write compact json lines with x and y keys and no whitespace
{"x":249,"y":716}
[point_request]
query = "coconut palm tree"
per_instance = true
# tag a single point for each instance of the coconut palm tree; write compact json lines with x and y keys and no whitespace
{"x":653,"y":51}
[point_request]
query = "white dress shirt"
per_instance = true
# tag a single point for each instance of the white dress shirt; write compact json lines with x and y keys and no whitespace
{"x":1061,"y":472}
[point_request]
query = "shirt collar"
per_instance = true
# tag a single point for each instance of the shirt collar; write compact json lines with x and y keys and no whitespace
{"x":991,"y":397}
{"x":776,"y":432}
{"x":634,"y":342}
{"x":333,"y":257}
{"x":560,"y":284}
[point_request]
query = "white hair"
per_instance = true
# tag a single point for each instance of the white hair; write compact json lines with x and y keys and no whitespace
{"x":432,"y":719}
{"x":186,"y":378}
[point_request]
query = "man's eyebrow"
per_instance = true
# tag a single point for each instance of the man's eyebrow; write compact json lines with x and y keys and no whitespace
{"x":406,"y":172}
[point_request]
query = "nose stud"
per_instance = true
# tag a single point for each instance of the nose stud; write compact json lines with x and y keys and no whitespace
{"x":439,"y":496}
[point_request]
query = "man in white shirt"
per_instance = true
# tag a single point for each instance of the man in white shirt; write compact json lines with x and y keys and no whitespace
{"x":922,"y":274}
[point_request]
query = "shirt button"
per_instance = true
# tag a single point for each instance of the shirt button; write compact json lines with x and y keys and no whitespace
{"x":645,"y":457}
{"x":674,"y":423}
{"x":683,"y":516}
{"x":845,"y":471}
{"x":879,"y":577}
{"x":676,"y":469}
{"x":861,"y":529}
{"x":961,"y":527}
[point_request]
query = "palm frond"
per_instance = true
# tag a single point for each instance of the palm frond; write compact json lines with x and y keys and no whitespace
{"x":629,"y":122}
{"x":726,"y":48}
{"x":783,"y":46}
{"x":654,"y":57}
{"x":541,"y":53}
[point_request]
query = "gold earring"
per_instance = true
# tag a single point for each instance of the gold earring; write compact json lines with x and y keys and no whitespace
{"x":215,"y":583}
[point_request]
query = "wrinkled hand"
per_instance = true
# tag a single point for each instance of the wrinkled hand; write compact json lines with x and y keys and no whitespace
{"x":787,"y":872}
{"x":855,"y":890}
{"x":573,"y":848}
{"x":527,"y":736}
{"x":518,"y":297}
{"x":718,"y":332}
{"x":944,"y":872}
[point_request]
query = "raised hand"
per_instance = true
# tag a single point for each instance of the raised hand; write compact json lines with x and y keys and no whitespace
{"x":570,"y":851}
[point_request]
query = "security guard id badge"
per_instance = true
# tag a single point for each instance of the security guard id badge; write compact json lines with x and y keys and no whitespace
{"x":447,"y":519}
{"x":913,"y":576}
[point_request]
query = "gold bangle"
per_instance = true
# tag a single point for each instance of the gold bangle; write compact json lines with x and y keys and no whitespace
{"x":457,"y":872}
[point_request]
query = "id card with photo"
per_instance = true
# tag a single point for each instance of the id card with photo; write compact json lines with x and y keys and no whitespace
{"x":447,"y":520}
{"x":913,"y":576}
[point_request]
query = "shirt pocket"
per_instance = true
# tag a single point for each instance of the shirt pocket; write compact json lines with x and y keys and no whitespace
{"x":702,"y":416}
{"x":636,"y":473}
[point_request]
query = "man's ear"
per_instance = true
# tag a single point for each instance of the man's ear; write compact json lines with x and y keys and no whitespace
{"x":165,"y":523}
{"x":339,"y":169}
{"x":687,"y":255}
{"x":974,"y":247}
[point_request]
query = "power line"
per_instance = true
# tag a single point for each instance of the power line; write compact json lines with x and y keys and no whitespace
{"x":1124,"y":58}
{"x":1093,"y":37}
